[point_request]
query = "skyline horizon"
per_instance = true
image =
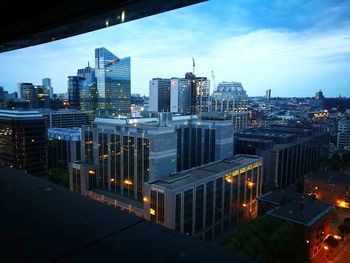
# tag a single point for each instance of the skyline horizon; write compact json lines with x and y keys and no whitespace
{"x":275,"y":45}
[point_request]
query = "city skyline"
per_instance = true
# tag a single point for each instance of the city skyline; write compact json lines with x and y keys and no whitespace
{"x":294,"y":48}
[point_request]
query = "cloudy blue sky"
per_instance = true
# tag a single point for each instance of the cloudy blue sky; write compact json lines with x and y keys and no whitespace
{"x":293,"y":47}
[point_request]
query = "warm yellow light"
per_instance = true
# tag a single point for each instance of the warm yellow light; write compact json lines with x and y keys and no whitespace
{"x":128,"y":182}
{"x":307,"y":241}
{"x":91,"y":172}
{"x":112,"y":179}
{"x":244,"y":205}
{"x":337,"y":237}
{"x":326,"y":247}
{"x":145,"y":199}
{"x":250,"y":184}
{"x":228,"y":178}
{"x":152,"y":211}
{"x":343,"y":204}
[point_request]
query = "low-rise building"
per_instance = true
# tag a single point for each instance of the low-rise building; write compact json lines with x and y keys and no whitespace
{"x":311,"y":217}
{"x":331,"y":187}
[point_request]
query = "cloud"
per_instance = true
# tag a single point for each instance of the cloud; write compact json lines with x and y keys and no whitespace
{"x":280,"y":45}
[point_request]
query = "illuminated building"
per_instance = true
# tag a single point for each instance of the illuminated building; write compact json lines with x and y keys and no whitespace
{"x":329,"y":186}
{"x":23,"y":141}
{"x":311,"y":217}
{"x":35,"y":96}
{"x":113,"y":83}
{"x":207,"y":200}
{"x":139,"y":150}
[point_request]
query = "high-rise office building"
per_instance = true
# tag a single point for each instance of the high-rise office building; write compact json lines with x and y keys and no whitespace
{"x":75,"y":85}
{"x":200,"y":88}
{"x":343,"y":138}
{"x":151,"y":167}
{"x":268,"y":94}
{"x":138,"y":150}
{"x":180,"y":94}
{"x":159,"y":95}
{"x":113,"y":82}
{"x":231,"y":98}
{"x":47,"y":83}
{"x":319,"y":95}
{"x":2,"y":98}
{"x":23,"y":141}
{"x":88,"y":92}
{"x":88,"y":73}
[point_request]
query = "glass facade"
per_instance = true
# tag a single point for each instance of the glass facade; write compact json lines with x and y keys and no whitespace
{"x":75,"y":85}
{"x":113,"y":82}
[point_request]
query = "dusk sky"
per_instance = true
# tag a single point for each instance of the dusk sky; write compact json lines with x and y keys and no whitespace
{"x":292,"y":47}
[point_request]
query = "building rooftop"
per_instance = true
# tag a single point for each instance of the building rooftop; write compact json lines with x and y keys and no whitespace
{"x":330,"y":176}
{"x":305,"y":212}
{"x":15,"y":114}
{"x":187,"y":177}
{"x":295,"y":207}
{"x":43,"y":222}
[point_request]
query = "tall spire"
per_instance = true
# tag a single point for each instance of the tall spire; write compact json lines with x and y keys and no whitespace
{"x":88,"y":64}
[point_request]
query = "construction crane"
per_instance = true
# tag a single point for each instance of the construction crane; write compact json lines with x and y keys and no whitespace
{"x":194,"y":65}
{"x":213,"y":77}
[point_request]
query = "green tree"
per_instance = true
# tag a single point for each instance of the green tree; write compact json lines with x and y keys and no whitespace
{"x":268,"y":239}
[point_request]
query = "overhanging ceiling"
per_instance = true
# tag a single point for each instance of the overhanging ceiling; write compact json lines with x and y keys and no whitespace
{"x":28,"y":23}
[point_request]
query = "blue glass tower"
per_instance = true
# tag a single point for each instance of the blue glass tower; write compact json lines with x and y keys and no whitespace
{"x":113,"y":82}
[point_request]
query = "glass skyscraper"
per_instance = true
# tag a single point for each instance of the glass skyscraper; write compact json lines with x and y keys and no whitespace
{"x":113,"y":82}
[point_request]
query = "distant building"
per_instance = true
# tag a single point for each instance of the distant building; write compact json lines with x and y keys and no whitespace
{"x":343,"y":138}
{"x":159,"y":95}
{"x":23,"y":141}
{"x":180,"y":94}
{"x":47,"y":83}
{"x":113,"y":83}
{"x":88,"y":90}
{"x":63,"y":147}
{"x":310,"y":216}
{"x":75,"y":86}
{"x":200,"y":89}
{"x":288,"y":152}
{"x":36,"y":96}
{"x":231,"y":98}
{"x":319,"y":95}
{"x":268,"y":94}
{"x":329,"y":186}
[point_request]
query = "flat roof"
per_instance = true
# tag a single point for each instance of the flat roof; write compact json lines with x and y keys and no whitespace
{"x":330,"y":176}
{"x":15,"y":114}
{"x":44,"y":222}
{"x":295,"y":207}
{"x":306,"y":213}
{"x":184,"y":178}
